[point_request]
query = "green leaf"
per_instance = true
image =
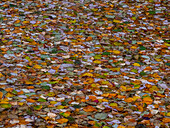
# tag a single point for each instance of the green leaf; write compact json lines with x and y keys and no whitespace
{"x":45,"y":16}
{"x":134,"y":70}
{"x":152,"y":12}
{"x":41,"y":100}
{"x":14,"y":92}
{"x":6,"y":105}
{"x":142,"y":73}
{"x":38,"y":107}
{"x":71,"y":119}
{"x":12,"y":5}
{"x":142,"y":48}
{"x":106,"y":53}
{"x":46,"y":87}
{"x":168,"y":64}
{"x":29,"y":40}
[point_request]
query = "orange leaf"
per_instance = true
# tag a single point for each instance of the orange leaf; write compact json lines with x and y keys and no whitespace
{"x":120,"y":96}
{"x":63,"y":120}
{"x":112,"y":95}
{"x":166,"y":120}
{"x":30,"y":100}
{"x":92,"y":98}
{"x":89,"y":109}
{"x":28,"y":82}
{"x":37,"y":66}
{"x":129,"y":100}
{"x":1,"y":95}
{"x":9,"y":89}
{"x":89,"y":38}
{"x":147,"y":100}
{"x":23,"y":122}
{"x":30,"y":87}
{"x":20,"y":93}
{"x":120,"y":126}
{"x":148,"y":68}
{"x":50,"y":126}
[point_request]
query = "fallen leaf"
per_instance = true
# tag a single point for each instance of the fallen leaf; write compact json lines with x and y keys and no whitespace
{"x":147,"y":100}
{"x":89,"y":109}
{"x":61,"y":121}
{"x":88,"y":74}
{"x":37,"y":66}
{"x":136,"y":64}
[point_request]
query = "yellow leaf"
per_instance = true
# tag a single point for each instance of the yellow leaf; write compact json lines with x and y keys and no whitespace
{"x":28,"y":82}
{"x":167,"y":44}
{"x":97,"y":62}
{"x":9,"y":95}
{"x":168,"y":114}
{"x":53,"y":102}
{"x":1,"y":75}
{"x":113,"y":104}
{"x":90,"y":80}
{"x":63,"y":120}
{"x":116,"y":52}
{"x":37,"y":66}
{"x":105,"y":82}
{"x":115,"y":69}
{"x":136,"y":64}
{"x":20,"y":103}
{"x":4,"y":102}
{"x":60,"y":107}
{"x":133,"y":47}
{"x":25,"y":22}
{"x":116,"y":21}
{"x":122,"y":88}
{"x":136,"y":97}
{"x":104,"y":100}
{"x":88,"y":74}
{"x":66,"y":114}
{"x":157,"y":59}
{"x":155,"y":88}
